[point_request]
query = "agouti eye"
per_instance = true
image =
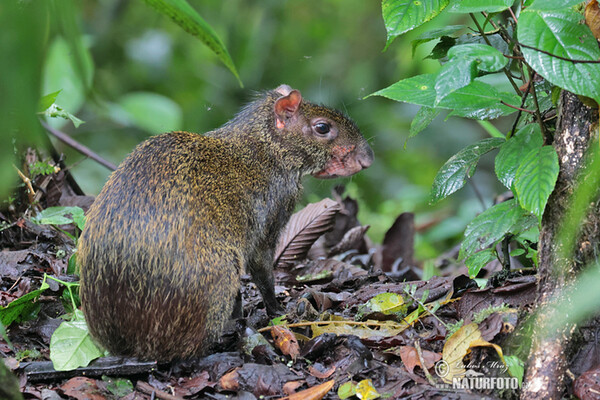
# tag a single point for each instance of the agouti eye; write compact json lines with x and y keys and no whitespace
{"x":322,"y":128}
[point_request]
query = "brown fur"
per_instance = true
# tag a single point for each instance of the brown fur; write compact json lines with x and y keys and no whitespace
{"x":176,"y":224}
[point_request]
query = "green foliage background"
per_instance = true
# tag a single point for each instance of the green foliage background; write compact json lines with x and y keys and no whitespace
{"x":138,"y":73}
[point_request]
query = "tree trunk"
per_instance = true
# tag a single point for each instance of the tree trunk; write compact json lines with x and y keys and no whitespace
{"x":575,"y":132}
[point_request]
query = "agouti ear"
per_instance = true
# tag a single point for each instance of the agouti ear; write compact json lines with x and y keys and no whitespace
{"x":286,"y":107}
{"x":284,"y":89}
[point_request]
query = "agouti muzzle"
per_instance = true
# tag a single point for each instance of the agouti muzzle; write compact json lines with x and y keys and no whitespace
{"x":181,"y":218}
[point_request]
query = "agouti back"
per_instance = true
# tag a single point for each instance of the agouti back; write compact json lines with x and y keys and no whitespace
{"x":177,"y":223}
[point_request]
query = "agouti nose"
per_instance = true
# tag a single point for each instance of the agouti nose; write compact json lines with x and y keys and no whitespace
{"x":365,"y":157}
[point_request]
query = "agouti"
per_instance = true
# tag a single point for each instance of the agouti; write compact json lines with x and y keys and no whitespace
{"x":177,"y":223}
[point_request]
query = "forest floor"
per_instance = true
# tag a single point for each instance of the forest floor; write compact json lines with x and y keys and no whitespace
{"x":361,"y":319}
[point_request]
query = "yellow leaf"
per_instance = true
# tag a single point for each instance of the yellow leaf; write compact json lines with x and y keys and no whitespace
{"x":366,"y":391}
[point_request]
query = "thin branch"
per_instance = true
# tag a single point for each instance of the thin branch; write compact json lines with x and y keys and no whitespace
{"x":538,"y":116}
{"x":513,"y":15}
{"x":517,"y":108}
{"x":523,"y":98}
{"x":68,"y":140}
{"x":477,"y":193}
{"x":505,"y":254}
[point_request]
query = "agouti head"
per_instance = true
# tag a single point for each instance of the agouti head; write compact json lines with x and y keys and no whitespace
{"x":331,"y":141}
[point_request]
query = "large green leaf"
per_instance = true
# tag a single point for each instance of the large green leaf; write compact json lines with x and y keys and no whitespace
{"x":561,"y":33}
{"x":453,"y":175}
{"x":404,"y":15}
{"x":185,"y":16}
{"x":512,"y":152}
{"x":474,"y":6}
{"x":535,"y":179}
{"x":464,"y":62}
{"x":476,"y":100}
{"x":71,"y":345}
{"x":493,"y":224}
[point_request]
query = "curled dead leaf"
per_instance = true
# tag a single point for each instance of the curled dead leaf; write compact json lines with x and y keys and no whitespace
{"x":303,"y":229}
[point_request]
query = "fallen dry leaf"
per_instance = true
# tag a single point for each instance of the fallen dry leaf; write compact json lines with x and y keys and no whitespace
{"x":315,"y":370}
{"x":313,"y":393}
{"x":285,"y":341}
{"x":82,"y":388}
{"x":290,"y":387}
{"x":410,"y":358}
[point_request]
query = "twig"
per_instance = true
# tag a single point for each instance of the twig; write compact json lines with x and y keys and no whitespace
{"x":523,"y":98}
{"x":422,"y":361}
{"x":68,"y":140}
{"x":513,"y":15}
{"x":506,"y":255}
{"x":517,"y":108}
{"x":27,"y":181}
{"x":477,"y":193}
{"x":302,"y":324}
{"x":538,"y":116}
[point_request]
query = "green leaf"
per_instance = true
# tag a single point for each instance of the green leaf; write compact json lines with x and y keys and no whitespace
{"x":474,"y":6}
{"x":187,"y":18}
{"x":465,"y":61}
{"x":476,"y":100}
{"x":387,"y":303}
{"x":493,"y":224}
{"x":72,"y":264}
{"x":47,"y":100}
{"x":422,"y":119}
{"x":479,"y":260}
{"x":346,"y":390}
{"x":434,"y":34}
{"x":56,"y":111}
{"x":59,"y":216}
{"x":119,"y":388}
{"x":148,"y":111}
{"x":71,"y":346}
{"x":20,"y":308}
{"x":512,"y":152}
{"x":404,"y":15}
{"x":516,"y":367}
{"x":453,"y":175}
{"x":535,"y":179}
{"x":561,"y":33}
